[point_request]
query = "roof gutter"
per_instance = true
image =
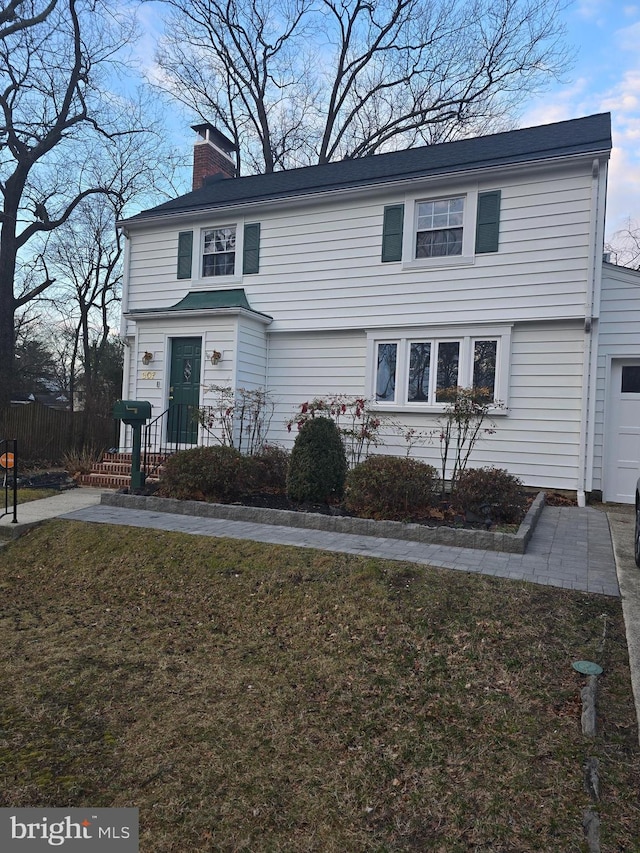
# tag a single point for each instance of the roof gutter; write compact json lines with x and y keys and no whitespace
{"x":166,"y":314}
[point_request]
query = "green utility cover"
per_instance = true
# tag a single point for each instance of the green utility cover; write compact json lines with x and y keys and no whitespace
{"x":587,"y":667}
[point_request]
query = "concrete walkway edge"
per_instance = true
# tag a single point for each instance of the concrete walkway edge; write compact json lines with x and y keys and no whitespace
{"x":621,"y":523}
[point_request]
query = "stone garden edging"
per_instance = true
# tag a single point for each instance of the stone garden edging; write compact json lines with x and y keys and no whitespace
{"x":484,"y":540}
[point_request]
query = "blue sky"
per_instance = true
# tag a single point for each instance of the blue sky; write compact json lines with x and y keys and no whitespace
{"x":605,"y":77}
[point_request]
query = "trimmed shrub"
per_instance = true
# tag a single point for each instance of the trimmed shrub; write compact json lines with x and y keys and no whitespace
{"x":269,"y":469}
{"x":391,"y":487}
{"x":215,"y":474}
{"x":318,"y":465}
{"x":490,"y":492}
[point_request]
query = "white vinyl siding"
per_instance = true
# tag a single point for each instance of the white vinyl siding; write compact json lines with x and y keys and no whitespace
{"x":252,"y":354}
{"x":618,"y":338}
{"x":317,"y":364}
{"x":537,"y":440}
{"x":320,"y":262}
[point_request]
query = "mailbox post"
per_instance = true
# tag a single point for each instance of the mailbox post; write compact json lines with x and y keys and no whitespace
{"x":134,"y":413}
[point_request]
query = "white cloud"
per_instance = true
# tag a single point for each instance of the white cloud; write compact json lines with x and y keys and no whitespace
{"x":564,"y":103}
{"x":591,"y":10}
{"x":623,"y":198}
{"x":627,"y":38}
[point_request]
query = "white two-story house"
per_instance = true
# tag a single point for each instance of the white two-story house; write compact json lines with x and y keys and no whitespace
{"x":392,"y":277}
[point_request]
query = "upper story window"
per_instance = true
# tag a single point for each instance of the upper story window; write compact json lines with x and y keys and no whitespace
{"x":231,"y":250}
{"x":219,"y":251}
{"x":439,"y":228}
{"x":442,"y":231}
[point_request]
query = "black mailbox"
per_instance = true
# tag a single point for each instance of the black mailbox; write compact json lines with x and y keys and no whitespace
{"x":132,"y":412}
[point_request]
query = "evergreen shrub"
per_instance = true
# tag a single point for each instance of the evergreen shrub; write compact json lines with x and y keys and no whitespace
{"x":216,"y":474}
{"x":391,"y":487}
{"x":490,"y":492}
{"x":270,"y":468}
{"x":318,"y":464}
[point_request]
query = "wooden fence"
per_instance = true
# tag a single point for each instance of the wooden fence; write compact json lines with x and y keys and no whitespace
{"x":45,"y":434}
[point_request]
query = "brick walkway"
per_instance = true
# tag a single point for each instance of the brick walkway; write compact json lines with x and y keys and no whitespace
{"x":570,"y":548}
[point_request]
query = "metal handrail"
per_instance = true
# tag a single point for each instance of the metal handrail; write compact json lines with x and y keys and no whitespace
{"x":167,"y":433}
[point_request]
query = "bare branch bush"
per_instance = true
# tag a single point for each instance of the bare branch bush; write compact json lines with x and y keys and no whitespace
{"x":238,"y":418}
{"x":462,"y":424}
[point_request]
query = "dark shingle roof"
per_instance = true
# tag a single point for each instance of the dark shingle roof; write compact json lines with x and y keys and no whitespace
{"x":591,"y":134}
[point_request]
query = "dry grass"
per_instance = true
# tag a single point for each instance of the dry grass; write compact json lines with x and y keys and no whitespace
{"x":262,"y":698}
{"x":28,"y":495}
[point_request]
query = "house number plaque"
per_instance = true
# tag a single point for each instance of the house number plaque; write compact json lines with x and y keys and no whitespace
{"x":148,"y":374}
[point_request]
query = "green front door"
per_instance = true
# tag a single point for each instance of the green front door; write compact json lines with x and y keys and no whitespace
{"x":184,"y":391}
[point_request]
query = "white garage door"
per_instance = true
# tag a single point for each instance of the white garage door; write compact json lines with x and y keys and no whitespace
{"x":623,"y":442}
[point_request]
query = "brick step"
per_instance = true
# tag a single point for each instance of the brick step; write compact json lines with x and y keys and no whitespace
{"x":105,"y":481}
{"x":152,"y":458}
{"x":109,"y":481}
{"x":111,"y":468}
{"x":114,"y":470}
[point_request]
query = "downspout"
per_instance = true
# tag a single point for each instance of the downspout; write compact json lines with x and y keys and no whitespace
{"x":591,"y":313}
{"x":124,"y":305}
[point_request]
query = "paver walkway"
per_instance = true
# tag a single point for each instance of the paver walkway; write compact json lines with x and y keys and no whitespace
{"x":571,"y":547}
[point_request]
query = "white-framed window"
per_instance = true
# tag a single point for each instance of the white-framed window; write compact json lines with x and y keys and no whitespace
{"x":414,"y":369}
{"x":440,"y":230}
{"x":219,"y":251}
{"x":439,"y":227}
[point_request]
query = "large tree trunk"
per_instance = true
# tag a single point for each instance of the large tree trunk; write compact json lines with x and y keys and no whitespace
{"x":7,"y":310}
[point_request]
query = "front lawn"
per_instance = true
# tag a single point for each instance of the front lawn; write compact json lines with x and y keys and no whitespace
{"x":249,"y":697}
{"x":28,"y":495}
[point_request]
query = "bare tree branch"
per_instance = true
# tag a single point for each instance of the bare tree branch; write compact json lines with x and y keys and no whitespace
{"x":58,"y":124}
{"x":624,"y":246}
{"x":310,"y":81}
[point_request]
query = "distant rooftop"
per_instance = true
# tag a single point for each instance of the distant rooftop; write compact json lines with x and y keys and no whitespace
{"x":589,"y":135}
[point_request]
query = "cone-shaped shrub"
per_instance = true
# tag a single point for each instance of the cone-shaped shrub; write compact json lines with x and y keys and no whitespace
{"x":318,"y":465}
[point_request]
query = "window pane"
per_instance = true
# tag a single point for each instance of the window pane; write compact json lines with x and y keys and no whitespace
{"x":386,"y":372}
{"x":437,"y":244}
{"x":439,"y":228}
{"x":419,"y":363}
{"x":209,"y":237}
{"x":448,"y":363}
{"x":631,"y":379}
{"x":484,"y":368}
{"x":218,"y":256}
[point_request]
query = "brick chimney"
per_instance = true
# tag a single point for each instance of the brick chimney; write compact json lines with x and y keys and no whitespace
{"x":212,"y":155}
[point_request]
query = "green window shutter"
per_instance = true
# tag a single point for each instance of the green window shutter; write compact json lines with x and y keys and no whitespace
{"x":392,"y":233}
{"x":488,"y":222}
{"x":185,"y":251}
{"x":251,"y":249}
